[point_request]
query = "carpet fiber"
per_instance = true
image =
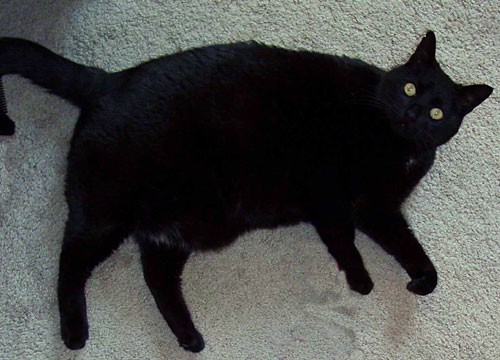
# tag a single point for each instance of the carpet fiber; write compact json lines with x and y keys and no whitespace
{"x":274,"y":294}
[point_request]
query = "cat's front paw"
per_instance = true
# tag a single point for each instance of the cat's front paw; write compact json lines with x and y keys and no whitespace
{"x":192,"y":342}
{"x":360,"y":282}
{"x":423,"y":284}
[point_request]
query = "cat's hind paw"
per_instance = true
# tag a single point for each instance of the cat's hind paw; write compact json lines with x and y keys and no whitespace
{"x":74,"y":333}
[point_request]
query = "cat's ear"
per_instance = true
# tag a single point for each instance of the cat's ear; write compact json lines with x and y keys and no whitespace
{"x":426,"y":51}
{"x":471,"y":96}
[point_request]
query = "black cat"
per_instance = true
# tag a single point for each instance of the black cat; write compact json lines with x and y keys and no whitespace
{"x":188,"y":151}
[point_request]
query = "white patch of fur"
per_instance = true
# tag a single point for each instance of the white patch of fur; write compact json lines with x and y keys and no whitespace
{"x":170,"y":236}
{"x":410,"y":163}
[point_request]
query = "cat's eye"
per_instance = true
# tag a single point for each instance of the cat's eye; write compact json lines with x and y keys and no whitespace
{"x":436,"y":114}
{"x":410,"y":89}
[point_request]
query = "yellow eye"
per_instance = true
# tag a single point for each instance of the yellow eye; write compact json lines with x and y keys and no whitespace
{"x":436,"y":114}
{"x":410,"y":89}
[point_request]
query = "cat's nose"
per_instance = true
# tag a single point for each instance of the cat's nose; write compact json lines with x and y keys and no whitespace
{"x":412,"y":112}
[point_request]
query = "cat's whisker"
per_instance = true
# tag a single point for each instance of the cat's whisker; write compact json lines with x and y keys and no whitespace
{"x":369,"y":99}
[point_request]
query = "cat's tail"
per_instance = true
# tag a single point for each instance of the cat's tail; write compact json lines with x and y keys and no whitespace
{"x":76,"y":83}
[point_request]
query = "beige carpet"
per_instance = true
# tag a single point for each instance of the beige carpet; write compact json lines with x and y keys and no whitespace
{"x":274,"y":294}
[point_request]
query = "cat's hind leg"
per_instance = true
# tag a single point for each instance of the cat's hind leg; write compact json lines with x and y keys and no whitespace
{"x":85,"y":245}
{"x":162,"y":265}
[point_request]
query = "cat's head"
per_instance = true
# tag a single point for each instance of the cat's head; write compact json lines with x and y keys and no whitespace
{"x":422,"y":103}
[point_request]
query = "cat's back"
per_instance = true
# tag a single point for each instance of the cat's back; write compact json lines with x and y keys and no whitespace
{"x":236,"y":68}
{"x":229,"y":84}
{"x":229,"y":117}
{"x":236,"y":98}
{"x":244,"y":94}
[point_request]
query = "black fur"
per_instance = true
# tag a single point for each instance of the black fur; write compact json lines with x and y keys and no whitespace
{"x":188,"y":151}
{"x":7,"y":126}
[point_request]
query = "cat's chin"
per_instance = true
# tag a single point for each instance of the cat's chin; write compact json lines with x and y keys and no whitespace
{"x":413,"y":135}
{"x":403,"y":131}
{"x":419,"y":143}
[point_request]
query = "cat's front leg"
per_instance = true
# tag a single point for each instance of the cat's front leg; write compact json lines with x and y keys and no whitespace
{"x":337,"y":233}
{"x":391,"y":231}
{"x":162,"y":266}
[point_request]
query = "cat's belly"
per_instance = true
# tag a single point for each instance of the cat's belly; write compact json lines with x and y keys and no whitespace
{"x":271,"y":217}
{"x":209,"y":226}
{"x":194,"y":235}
